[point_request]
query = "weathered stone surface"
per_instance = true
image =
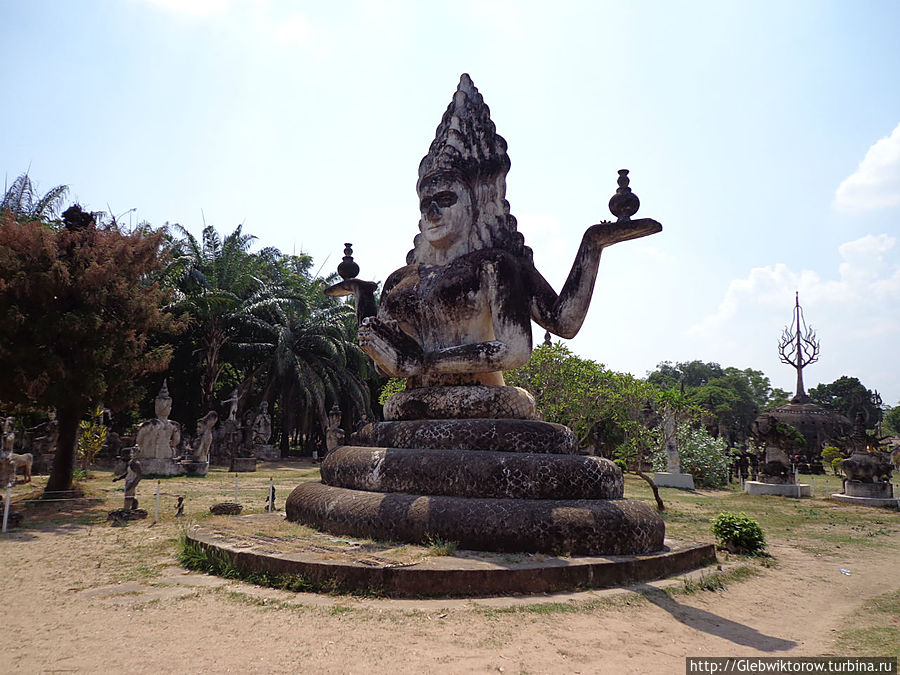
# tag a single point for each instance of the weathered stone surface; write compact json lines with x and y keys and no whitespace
{"x":158,"y":438}
{"x":572,"y":527}
{"x":682,"y":481}
{"x":469,"y":473}
{"x":468,"y":574}
{"x":242,"y":464}
{"x":450,"y":321}
{"x":797,"y":490}
{"x":461,"y":402}
{"x":501,"y":435}
{"x":858,"y":488}
{"x":226,"y":509}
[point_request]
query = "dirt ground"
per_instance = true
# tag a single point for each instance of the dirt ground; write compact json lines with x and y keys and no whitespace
{"x":81,"y":596}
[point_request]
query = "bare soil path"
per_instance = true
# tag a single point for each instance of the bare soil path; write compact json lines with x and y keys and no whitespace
{"x":92,"y":598}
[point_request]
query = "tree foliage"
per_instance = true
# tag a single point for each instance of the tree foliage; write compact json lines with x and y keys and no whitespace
{"x":892,"y":420}
{"x":848,"y":396}
{"x":731,"y":398}
{"x":76,"y":307}
{"x":22,"y":200}
{"x":704,"y":457}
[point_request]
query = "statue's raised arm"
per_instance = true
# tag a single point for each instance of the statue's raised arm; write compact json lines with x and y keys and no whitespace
{"x":460,"y":311}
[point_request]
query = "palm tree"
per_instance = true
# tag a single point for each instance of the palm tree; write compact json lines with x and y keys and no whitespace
{"x":22,"y":200}
{"x":311,"y":360}
{"x":218,"y":282}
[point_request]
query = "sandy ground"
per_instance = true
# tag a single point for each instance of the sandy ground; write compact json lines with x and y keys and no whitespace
{"x":96,"y":598}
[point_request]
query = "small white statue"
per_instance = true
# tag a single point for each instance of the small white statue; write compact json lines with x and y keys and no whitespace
{"x":158,"y":438}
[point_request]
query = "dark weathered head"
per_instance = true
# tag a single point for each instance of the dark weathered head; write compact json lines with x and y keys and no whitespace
{"x":467,"y":152}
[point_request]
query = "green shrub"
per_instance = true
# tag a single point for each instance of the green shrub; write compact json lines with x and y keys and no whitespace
{"x":836,"y":465}
{"x":621,"y":464}
{"x":91,"y":438}
{"x":829,"y":454}
{"x":393,"y":386}
{"x":739,"y":533}
{"x":704,"y":457}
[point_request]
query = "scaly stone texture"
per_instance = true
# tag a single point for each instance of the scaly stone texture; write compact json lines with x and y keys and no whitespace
{"x":461,"y":402}
{"x":471,"y":473}
{"x":499,"y":435}
{"x":563,"y":527}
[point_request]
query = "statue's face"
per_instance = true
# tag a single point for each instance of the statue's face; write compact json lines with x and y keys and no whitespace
{"x":163,"y":407}
{"x":447,"y":214}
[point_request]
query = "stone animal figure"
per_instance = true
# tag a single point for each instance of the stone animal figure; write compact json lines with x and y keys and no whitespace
{"x":24,"y":462}
{"x":866,"y":468}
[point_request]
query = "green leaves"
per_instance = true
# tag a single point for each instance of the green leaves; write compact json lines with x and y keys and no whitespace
{"x":739,"y":533}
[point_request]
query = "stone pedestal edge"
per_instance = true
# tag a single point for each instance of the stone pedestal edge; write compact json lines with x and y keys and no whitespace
{"x":458,"y":577}
{"x":683,"y":481}
{"x":867,"y":501}
{"x":753,"y":487}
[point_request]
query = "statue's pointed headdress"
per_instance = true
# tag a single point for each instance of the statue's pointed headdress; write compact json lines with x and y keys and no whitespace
{"x":466,"y":141}
{"x":467,"y":146}
{"x":164,"y":390}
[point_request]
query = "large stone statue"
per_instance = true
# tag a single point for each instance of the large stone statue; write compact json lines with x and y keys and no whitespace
{"x":466,"y":450}
{"x":158,"y":439}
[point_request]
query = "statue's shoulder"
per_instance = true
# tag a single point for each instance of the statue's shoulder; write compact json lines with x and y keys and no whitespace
{"x":399,"y":274}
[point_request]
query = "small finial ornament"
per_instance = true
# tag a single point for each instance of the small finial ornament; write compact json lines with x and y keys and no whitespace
{"x":547,"y":339}
{"x":348,"y":269}
{"x":624,"y":203}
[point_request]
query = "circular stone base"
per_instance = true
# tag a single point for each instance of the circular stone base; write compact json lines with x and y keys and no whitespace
{"x":471,"y":473}
{"x":461,"y":402}
{"x":867,"y":501}
{"x":571,"y":527}
{"x":465,"y":574}
{"x":501,"y":435}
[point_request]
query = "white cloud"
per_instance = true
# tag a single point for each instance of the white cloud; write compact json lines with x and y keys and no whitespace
{"x":193,"y":7}
{"x":876,"y":183}
{"x":856,"y":314}
{"x":295,"y":29}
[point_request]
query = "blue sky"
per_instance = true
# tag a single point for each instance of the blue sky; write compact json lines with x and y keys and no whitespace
{"x":764,"y":136}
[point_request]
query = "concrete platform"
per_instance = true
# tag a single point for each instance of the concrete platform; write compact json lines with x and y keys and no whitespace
{"x":682,"y":481}
{"x":320,"y":559}
{"x":867,"y":501}
{"x":753,"y":487}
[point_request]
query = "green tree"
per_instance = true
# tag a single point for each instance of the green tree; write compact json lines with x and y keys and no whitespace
{"x":564,"y":386}
{"x":619,"y":413}
{"x":309,"y":361}
{"x":892,"y":420}
{"x":218,"y":284}
{"x":24,"y":203}
{"x":848,"y":396}
{"x":76,"y":306}
{"x":732,"y":398}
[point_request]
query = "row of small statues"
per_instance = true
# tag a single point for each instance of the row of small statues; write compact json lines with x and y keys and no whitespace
{"x":156,"y":438}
